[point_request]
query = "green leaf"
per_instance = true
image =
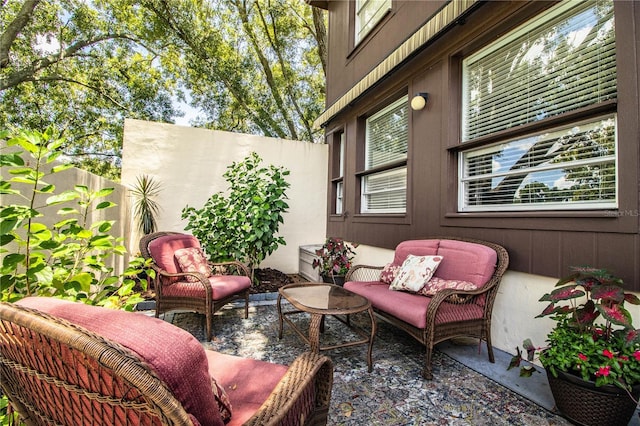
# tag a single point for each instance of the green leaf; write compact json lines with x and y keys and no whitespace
{"x":64,"y":197}
{"x":105,"y":205}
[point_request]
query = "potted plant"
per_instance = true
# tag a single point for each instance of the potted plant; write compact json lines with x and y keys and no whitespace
{"x":592,"y":356}
{"x":334,"y":260}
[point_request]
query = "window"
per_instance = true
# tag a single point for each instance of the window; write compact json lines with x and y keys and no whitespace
{"x":338,"y":172}
{"x":562,"y":61}
{"x":384,"y":181}
{"x":368,"y":14}
{"x":571,"y":167}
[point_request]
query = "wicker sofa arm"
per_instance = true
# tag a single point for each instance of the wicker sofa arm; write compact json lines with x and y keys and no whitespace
{"x":286,"y":403}
{"x":364,"y":273}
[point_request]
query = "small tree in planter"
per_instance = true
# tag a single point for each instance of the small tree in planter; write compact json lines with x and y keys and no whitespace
{"x":334,"y":260}
{"x":244,"y":224}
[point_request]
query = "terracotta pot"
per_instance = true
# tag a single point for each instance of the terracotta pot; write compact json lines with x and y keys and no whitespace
{"x":333,"y":279}
{"x":583,"y":403}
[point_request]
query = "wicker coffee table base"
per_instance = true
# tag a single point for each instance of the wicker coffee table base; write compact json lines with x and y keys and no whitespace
{"x":316,"y":325}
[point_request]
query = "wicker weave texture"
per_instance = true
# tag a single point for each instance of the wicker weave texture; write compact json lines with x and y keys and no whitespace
{"x":591,"y":406}
{"x":206,"y":305}
{"x":57,"y":373}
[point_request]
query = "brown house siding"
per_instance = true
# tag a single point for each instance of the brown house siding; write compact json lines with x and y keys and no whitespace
{"x":544,"y":243}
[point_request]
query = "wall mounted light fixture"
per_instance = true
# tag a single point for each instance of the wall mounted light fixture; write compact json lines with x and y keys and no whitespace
{"x":419,"y":101}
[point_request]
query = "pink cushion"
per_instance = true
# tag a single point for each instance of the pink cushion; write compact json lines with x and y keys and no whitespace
{"x":174,"y":354}
{"x":222,"y":286}
{"x":410,"y":307}
{"x":162,"y":250}
{"x":248,"y":382}
{"x":466,"y":261}
{"x":415,"y":247}
{"x":462,"y":260}
{"x":191,"y":259}
{"x":436,"y":284}
{"x":389,"y":272}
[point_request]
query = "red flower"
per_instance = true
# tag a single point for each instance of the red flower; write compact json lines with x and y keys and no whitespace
{"x":636,"y":355}
{"x":623,"y":357}
{"x":582,"y":357}
{"x":607,"y":353}
{"x":603,"y":371}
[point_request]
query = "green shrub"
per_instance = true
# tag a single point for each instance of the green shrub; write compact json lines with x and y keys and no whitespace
{"x":69,"y":258}
{"x":244,"y":224}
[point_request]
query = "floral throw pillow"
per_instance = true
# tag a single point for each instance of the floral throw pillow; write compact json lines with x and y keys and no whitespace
{"x":435,"y":284}
{"x":191,"y":259}
{"x":415,"y":272}
{"x":388,"y":273}
{"x":222,"y":399}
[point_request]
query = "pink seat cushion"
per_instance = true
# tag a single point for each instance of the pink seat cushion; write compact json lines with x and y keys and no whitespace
{"x":174,"y":354}
{"x":222,"y":286}
{"x":248,"y":382}
{"x":410,"y":307}
{"x":465,"y":261}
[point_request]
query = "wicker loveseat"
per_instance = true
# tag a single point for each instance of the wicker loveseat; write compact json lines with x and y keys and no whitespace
{"x":449,"y":312}
{"x":67,"y":363}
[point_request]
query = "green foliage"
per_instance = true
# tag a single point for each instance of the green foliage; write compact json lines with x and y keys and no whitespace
{"x":145,"y":208}
{"x":242,"y":225}
{"x":69,"y":258}
{"x":247,"y":66}
{"x":594,"y":337}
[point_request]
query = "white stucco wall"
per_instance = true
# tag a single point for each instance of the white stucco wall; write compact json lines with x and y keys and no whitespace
{"x":189,"y":163}
{"x":516,"y":307}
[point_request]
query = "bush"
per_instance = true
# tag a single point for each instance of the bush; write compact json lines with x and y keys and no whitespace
{"x":243,"y":225}
{"x":69,"y":258}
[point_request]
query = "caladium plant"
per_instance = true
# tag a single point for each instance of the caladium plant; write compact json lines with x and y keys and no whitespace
{"x":594,"y":337}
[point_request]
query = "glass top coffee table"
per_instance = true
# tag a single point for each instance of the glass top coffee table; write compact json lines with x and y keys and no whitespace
{"x":318,"y":300}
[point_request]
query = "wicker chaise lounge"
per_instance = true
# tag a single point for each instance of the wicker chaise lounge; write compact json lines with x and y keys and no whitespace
{"x":67,"y":363}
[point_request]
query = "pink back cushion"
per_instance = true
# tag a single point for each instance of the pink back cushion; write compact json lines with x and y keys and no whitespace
{"x":174,"y":354}
{"x":462,"y":260}
{"x":163,"y":250}
{"x":415,"y":247}
{"x":465,"y":261}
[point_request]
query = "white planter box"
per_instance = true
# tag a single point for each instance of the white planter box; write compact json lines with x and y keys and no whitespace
{"x":305,"y":266}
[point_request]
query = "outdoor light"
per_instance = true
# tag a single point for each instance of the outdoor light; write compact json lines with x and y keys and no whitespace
{"x":419,"y":101}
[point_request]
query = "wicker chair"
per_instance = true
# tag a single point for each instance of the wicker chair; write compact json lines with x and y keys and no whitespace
{"x":57,"y":372}
{"x":230,"y":280}
{"x":449,"y":313}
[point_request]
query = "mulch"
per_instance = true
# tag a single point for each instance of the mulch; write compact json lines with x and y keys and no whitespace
{"x":270,"y":280}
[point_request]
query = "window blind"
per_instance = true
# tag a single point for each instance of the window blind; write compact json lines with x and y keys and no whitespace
{"x":562,"y":60}
{"x":385,"y":192}
{"x":387,"y":135}
{"x":573,"y":166}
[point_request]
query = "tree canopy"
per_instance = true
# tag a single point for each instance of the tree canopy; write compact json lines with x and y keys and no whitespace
{"x":253,"y":66}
